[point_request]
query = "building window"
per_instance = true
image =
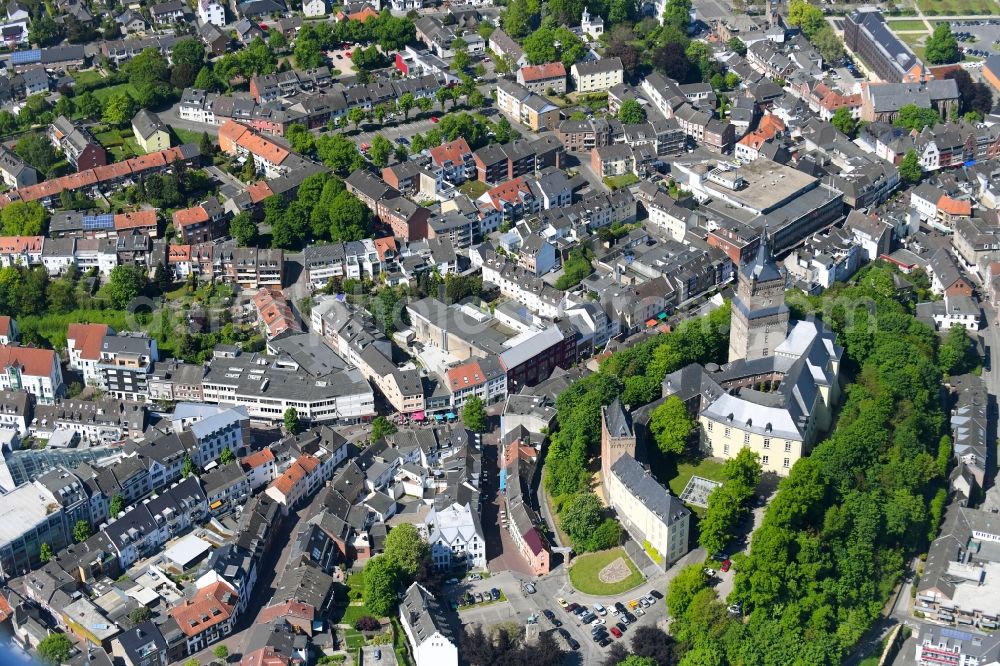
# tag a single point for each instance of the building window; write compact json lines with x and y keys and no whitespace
{"x":727,"y":432}
{"x":746,"y":438}
{"x":764,"y":460}
{"x":725,"y":449}
{"x":786,"y":465}
{"x":788,"y":447}
{"x":710,"y":426}
{"x":767,"y":443}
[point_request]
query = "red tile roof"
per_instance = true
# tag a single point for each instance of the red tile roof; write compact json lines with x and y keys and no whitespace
{"x":954,"y":206}
{"x":87,"y":338}
{"x":257,"y":459}
{"x":178,"y":253}
{"x":509,"y":192}
{"x":20,"y":244}
{"x":31,"y":361}
{"x":210,"y":606}
{"x":4,"y":328}
{"x":464,"y":376}
{"x":189,"y":216}
{"x":549,"y":70}
{"x":453,"y":151}
{"x":140,"y":219}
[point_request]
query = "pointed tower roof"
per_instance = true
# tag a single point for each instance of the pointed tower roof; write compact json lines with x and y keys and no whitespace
{"x":617,"y":420}
{"x":763,"y":268}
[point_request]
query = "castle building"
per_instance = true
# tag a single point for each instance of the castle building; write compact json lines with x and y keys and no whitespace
{"x":760,"y":317}
{"x":646,"y":508}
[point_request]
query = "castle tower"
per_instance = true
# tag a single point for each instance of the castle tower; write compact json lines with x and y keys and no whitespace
{"x":760,"y":316}
{"x":617,"y":436}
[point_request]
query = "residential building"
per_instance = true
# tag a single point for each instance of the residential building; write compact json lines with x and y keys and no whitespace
{"x":126,"y":361}
{"x":526,"y":107}
{"x":208,"y":616}
{"x":867,"y":35}
{"x":213,"y":12}
{"x":150,"y":132}
{"x":81,"y":149}
{"x":597,"y":75}
{"x":14,"y":171}
{"x":83,"y":345}
{"x":541,"y":79}
{"x":427,"y":630}
{"x":36,"y":371}
{"x":456,"y":537}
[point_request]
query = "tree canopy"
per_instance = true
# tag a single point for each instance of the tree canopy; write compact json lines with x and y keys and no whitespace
{"x":941,"y":47}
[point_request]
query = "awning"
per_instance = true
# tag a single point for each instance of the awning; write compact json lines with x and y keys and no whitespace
{"x":216,"y":504}
{"x":661,"y":316}
{"x":650,"y":323}
{"x":419,"y":416}
{"x":450,"y":415}
{"x":438,"y":417}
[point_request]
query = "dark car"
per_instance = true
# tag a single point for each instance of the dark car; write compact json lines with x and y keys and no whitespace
{"x":572,"y":607}
{"x":549,"y":615}
{"x":600,"y":636}
{"x":573,"y":644}
{"x":605,"y":642}
{"x":496,"y":593}
{"x":564,"y":634}
{"x":629,"y":617}
{"x":403,"y":141}
{"x":620,"y":607}
{"x":656,"y":594}
{"x":556,"y":622}
{"x":622,"y":627}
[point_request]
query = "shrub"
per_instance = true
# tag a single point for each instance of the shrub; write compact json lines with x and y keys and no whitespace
{"x":367,"y":623}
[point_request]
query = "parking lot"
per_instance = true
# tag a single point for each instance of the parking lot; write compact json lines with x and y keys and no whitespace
{"x":520,"y":605}
{"x":985,"y":33}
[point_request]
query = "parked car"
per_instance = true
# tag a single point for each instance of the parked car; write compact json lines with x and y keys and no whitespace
{"x":735,"y":609}
{"x":573,"y":645}
{"x":475,"y":577}
{"x":726,"y":564}
{"x":564,"y":634}
{"x":549,"y":615}
{"x":639,"y":611}
{"x":620,"y":607}
{"x":587,"y":617}
{"x":479,"y":597}
{"x":628,"y":617}
{"x":571,"y":608}
{"x":622,"y":627}
{"x":616,"y":632}
{"x":528,"y":587}
{"x":403,"y":141}
{"x":600,"y":610}
{"x":605,"y":642}
{"x":650,"y":599}
{"x":597,"y":629}
{"x":496,"y":593}
{"x":656,"y":594}
{"x":561,"y":602}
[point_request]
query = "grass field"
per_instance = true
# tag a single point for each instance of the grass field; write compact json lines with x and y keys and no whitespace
{"x":958,"y":7}
{"x":473,"y":188}
{"x":585,"y":568}
{"x":186,"y":136}
{"x":618,"y":182}
{"x":915,"y":42}
{"x":88,"y":77}
{"x":707,"y":468}
{"x":907,"y":24}
{"x":103,"y":94}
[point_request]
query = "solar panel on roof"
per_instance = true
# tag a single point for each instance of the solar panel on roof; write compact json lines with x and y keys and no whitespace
{"x":22,"y":57}
{"x":956,"y":634}
{"x":99,"y":222}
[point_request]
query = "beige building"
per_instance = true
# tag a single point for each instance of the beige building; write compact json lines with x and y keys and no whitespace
{"x":150,"y":132}
{"x":646,"y":508}
{"x":598,"y":75}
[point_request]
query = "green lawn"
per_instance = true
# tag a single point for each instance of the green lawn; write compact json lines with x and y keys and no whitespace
{"x":354,"y":639}
{"x":186,"y":136}
{"x":584,"y":569}
{"x":618,"y":182}
{"x":706,"y":467}
{"x":88,"y":77}
{"x":473,"y":188}
{"x":907,"y":24}
{"x":958,"y":7}
{"x":103,"y":94}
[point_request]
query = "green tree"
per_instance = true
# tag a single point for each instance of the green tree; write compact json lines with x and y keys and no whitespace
{"x":119,"y":110}
{"x":187,"y":466}
{"x":277,"y":41}
{"x":631,"y":112}
{"x":806,"y":15}
{"x":140,"y":615}
{"x":942,"y":47}
{"x":355,"y":116}
{"x":405,"y":103}
{"x":301,"y":138}
{"x":37,"y":150}
{"x":913,"y":117}
{"x":55,"y":649}
{"x":117,"y":505}
{"x":45,"y":553}
{"x":580,"y":518}
{"x":189,"y":51}
{"x":736,"y":45}
{"x":243,"y":228}
{"x":407,"y":550}
{"x":844,"y":121}
{"x":205,"y":80}
{"x":382,"y":427}
{"x":380,"y":150}
{"x":955,"y":352}
{"x":291,"y":421}
{"x":227,"y":456}
{"x":87,"y":105}
{"x":671,"y":424}
{"x":910,"y":169}
{"x":474,"y":414}
{"x":828,"y":43}
{"x":221,"y":652}
{"x":349,"y":218}
{"x":124,"y":284}
{"x":381,"y":584}
{"x":22,"y":218}
{"x":81,"y":531}
{"x":635,"y":660}
{"x":685,"y":585}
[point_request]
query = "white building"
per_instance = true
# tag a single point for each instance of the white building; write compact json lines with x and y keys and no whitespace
{"x":211,"y":11}
{"x":314,"y":8}
{"x":36,"y":371}
{"x":83,"y":344}
{"x":456,"y":537}
{"x":598,"y":75}
{"x":427,"y":630}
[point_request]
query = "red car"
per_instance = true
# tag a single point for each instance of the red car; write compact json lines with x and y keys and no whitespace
{"x":725,"y":565}
{"x":347,"y":54}
{"x":434,"y":119}
{"x":616,"y":632}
